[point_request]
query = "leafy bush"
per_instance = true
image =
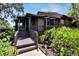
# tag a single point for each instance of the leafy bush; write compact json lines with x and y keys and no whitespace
{"x":65,"y":41}
{"x":41,"y":39}
{"x":46,"y":35}
{"x":7,"y":35}
{"x":6,"y":49}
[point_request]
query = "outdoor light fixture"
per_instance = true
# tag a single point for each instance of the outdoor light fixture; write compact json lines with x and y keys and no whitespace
{"x":20,"y":24}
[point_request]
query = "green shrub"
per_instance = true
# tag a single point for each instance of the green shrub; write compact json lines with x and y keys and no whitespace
{"x":65,"y":41}
{"x":46,"y":35}
{"x":6,"y":49}
{"x":7,"y":34}
{"x":41,"y":39}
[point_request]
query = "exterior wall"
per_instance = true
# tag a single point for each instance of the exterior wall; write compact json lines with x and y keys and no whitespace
{"x":61,"y":22}
{"x":40,"y":24}
{"x":66,"y":22}
{"x":34,"y":23}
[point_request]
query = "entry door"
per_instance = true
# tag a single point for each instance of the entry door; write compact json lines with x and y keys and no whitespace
{"x":23,"y":25}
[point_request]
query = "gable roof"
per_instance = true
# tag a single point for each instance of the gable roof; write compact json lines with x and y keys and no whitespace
{"x":50,"y":14}
{"x":33,"y":15}
{"x":47,"y":14}
{"x":55,"y":15}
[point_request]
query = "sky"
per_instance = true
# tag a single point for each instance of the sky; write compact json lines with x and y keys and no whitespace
{"x":62,"y":8}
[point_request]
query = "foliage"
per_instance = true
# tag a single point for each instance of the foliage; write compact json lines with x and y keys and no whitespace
{"x":46,"y":35}
{"x":9,"y":9}
{"x":6,"y":35}
{"x":4,"y":24}
{"x":6,"y":49}
{"x":65,"y":41}
{"x":6,"y":38}
{"x":71,"y":14}
{"x":74,"y":11}
{"x":41,"y":39}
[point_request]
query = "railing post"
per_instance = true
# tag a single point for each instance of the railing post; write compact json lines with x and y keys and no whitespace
{"x":46,"y":49}
{"x":15,"y":38}
{"x":37,"y":39}
{"x":46,"y":44}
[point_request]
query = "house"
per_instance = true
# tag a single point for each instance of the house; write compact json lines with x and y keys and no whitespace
{"x":32,"y":25}
{"x":41,"y":21}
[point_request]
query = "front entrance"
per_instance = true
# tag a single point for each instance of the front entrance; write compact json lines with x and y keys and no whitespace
{"x":23,"y":25}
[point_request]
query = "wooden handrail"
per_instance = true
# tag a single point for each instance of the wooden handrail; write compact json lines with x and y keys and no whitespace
{"x":34,"y":35}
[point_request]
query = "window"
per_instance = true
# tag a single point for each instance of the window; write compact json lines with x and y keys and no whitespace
{"x":50,"y":22}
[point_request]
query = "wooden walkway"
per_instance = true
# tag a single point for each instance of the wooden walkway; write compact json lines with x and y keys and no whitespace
{"x":25,"y":43}
{"x":33,"y":53}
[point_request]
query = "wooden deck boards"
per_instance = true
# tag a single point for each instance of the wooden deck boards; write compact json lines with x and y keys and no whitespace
{"x":24,"y":41}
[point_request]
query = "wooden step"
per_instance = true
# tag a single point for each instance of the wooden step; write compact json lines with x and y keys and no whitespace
{"x":25,"y":41}
{"x":27,"y":45}
{"x":26,"y":49}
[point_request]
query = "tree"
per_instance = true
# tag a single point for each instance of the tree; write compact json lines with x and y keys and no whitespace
{"x":9,"y":9}
{"x":74,"y":11}
{"x":4,"y":23}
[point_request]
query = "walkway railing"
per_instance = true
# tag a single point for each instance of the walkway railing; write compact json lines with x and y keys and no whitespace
{"x":34,"y":35}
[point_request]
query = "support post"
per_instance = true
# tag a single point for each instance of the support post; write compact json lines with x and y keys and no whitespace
{"x":54,"y":22}
{"x":18,"y":24}
{"x":25,"y":25}
{"x":29,"y":23}
{"x":46,"y":22}
{"x":15,"y":26}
